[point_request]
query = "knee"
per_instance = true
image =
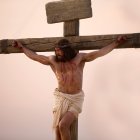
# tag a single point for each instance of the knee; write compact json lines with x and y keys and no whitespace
{"x":63,"y":126}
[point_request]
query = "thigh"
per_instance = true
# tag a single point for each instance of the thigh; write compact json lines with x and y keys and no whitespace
{"x":68,"y":118}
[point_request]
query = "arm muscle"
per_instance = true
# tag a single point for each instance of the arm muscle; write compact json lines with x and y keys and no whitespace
{"x":87,"y":57}
{"x":34,"y":56}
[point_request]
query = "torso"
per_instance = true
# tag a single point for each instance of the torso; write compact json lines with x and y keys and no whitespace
{"x":69,"y":75}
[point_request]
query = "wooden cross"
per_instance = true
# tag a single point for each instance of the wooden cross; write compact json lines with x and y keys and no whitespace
{"x":69,"y":12}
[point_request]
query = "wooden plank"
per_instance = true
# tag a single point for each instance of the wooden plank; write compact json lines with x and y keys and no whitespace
{"x":61,"y":11}
{"x":74,"y":130}
{"x":71,"y":28}
{"x":77,"y":42}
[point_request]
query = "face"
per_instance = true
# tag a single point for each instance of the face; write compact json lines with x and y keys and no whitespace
{"x":59,"y":53}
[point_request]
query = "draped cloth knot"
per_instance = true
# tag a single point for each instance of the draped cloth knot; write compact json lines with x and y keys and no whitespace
{"x":64,"y":102}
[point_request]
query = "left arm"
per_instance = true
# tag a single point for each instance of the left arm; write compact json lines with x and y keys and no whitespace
{"x":87,"y":57}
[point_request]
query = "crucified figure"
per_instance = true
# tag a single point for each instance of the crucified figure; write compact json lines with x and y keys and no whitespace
{"x":67,"y":64}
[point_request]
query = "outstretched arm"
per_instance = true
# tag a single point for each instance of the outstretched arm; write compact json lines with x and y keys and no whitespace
{"x":87,"y":57}
{"x":32,"y":55}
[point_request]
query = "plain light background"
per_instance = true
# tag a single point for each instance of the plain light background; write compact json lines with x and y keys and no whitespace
{"x":111,"y":83}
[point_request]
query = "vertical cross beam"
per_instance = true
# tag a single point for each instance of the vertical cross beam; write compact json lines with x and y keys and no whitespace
{"x":69,"y":12}
{"x":71,"y":28}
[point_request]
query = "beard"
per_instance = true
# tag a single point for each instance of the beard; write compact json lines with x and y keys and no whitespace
{"x":68,"y":55}
{"x":60,"y":58}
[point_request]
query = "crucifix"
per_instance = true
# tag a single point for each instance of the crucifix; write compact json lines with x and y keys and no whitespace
{"x":69,"y":12}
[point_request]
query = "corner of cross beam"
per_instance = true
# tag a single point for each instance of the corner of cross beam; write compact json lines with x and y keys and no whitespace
{"x":136,"y":41}
{"x":61,"y":11}
{"x":4,"y":46}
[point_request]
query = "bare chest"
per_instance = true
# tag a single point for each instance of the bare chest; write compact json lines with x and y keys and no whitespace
{"x":67,"y":69}
{"x":69,"y":76}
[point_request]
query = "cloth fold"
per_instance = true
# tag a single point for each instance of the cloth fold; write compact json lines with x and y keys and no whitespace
{"x":66,"y":102}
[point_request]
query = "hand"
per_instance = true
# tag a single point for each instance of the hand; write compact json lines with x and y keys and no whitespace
{"x":121,"y":39}
{"x":17,"y":44}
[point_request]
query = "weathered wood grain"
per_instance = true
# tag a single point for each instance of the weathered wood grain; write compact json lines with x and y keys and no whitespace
{"x":77,"y":42}
{"x":71,"y":28}
{"x":60,"y":11}
{"x":74,"y":130}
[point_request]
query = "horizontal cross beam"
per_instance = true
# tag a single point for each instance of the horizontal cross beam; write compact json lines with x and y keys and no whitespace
{"x":77,"y":42}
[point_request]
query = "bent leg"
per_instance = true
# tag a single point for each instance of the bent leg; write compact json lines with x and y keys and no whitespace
{"x":64,"y":125}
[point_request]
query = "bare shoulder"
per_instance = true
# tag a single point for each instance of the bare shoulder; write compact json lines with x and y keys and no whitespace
{"x":90,"y":56}
{"x":82,"y":55}
{"x":51,"y":58}
{"x":46,"y":60}
{"x":79,"y":57}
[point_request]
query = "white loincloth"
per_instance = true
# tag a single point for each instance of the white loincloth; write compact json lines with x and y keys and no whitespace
{"x":66,"y":102}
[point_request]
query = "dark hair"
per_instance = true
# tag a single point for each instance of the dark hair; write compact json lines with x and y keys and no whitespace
{"x":63,"y":42}
{"x":69,"y":52}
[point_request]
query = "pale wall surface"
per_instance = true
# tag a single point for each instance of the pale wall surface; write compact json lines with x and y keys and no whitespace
{"x":111,"y":83}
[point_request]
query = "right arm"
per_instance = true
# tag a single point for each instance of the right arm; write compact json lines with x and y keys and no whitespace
{"x":33,"y":55}
{"x":87,"y":57}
